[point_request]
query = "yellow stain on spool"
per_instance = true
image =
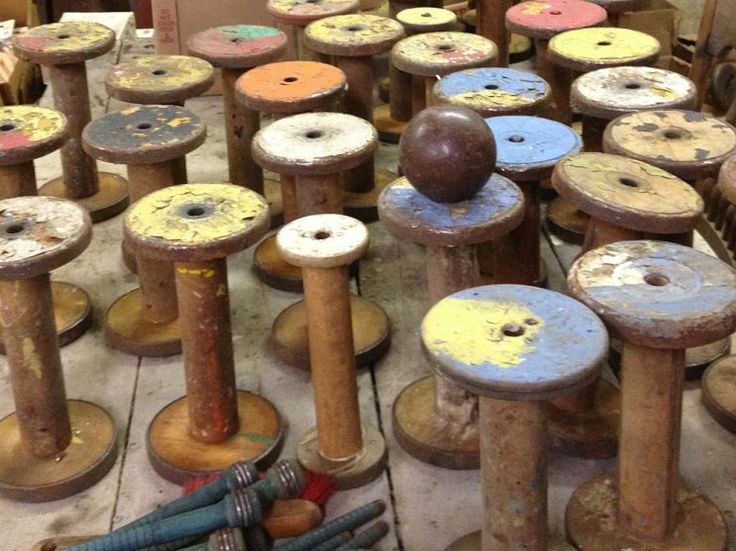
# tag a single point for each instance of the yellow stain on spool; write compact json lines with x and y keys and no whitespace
{"x":206,"y":272}
{"x":663,"y":92}
{"x":31,"y":357}
{"x":602,"y":44}
{"x":159,"y":215}
{"x":534,"y":8}
{"x":179,"y":121}
{"x":471,"y":331}
{"x":180,"y":70}
{"x":36,"y":123}
{"x":79,"y":35}
{"x":482,"y":98}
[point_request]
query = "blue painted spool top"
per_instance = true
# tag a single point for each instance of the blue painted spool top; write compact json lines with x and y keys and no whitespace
{"x":530,"y":147}
{"x":657,"y":294}
{"x":493,"y":90}
{"x":515,"y":342}
{"x":496,"y":209}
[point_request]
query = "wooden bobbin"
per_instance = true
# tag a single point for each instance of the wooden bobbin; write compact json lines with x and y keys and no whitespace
{"x":493,"y":91}
{"x":615,"y":8}
{"x":514,"y":346}
{"x":287,"y":88}
{"x":431,"y":55}
{"x":688,"y":144}
{"x":51,"y":447}
{"x":293,"y":15}
{"x":352,"y":41}
{"x":626,"y":200}
{"x":434,"y":419}
{"x":159,"y":79}
{"x":27,"y":133}
{"x":235,"y":49}
{"x":490,"y":24}
{"x":521,"y":47}
{"x":542,"y":21}
{"x":341,"y":446}
{"x":63,"y":49}
{"x":390,"y":119}
{"x":658,"y":298}
{"x":196,"y":226}
{"x":152,"y":141}
{"x":314,"y":148}
{"x":527,"y":150}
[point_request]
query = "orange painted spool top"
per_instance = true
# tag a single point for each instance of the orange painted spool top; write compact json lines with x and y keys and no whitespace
{"x":290,"y":86}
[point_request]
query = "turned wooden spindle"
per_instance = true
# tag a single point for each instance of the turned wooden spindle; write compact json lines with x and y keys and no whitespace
{"x":196,"y":226}
{"x":50,"y":447}
{"x":63,"y":48}
{"x":324,"y":246}
{"x":514,"y":346}
{"x":152,"y":141}
{"x":658,"y":298}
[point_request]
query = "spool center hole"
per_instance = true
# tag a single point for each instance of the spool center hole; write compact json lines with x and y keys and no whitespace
{"x":63,"y":36}
{"x":516,"y":139}
{"x":656,"y":280}
{"x":604,"y":43}
{"x":194,"y":212}
{"x":322,"y":234}
{"x":312,"y":1}
{"x":633,"y":86}
{"x":159,"y":72}
{"x":14,"y":228}
{"x":291,"y":79}
{"x":314,"y":134}
{"x":7,"y":127}
{"x":673,"y":134}
{"x":446,"y":47}
{"x":555,"y":12}
{"x":354,"y":28}
{"x":144,"y":126}
{"x":513,"y":330}
{"x":629,"y":182}
{"x":426,"y":14}
{"x":235,"y":40}
{"x":491,"y":87}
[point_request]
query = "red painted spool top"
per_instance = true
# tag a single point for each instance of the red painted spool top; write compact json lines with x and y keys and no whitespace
{"x":545,"y":19}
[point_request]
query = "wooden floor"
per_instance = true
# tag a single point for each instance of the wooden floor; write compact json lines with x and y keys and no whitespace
{"x":427,"y":507}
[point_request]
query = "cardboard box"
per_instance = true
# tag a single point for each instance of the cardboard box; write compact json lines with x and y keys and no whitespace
{"x":658,"y":18}
{"x":174,"y":21}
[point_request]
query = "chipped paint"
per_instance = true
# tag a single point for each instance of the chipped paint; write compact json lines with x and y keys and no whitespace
{"x":236,"y":41}
{"x":159,"y":72}
{"x":354,"y":29}
{"x":31,"y":359}
{"x":445,"y":51}
{"x":204,"y":272}
{"x":554,"y":17}
{"x":426,"y":16}
{"x":29,"y":124}
{"x":604,"y":45}
{"x":65,"y":37}
{"x":161,"y":214}
{"x":312,"y":9}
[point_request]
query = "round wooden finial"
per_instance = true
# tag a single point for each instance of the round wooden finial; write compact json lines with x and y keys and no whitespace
{"x":447,"y":153}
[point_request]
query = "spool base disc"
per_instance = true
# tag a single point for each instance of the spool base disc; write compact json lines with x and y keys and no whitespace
{"x":472,"y":542}
{"x":110,"y":200}
{"x":72,"y":313}
{"x":91,"y":454}
{"x":367,"y":466}
{"x":363,"y":205}
{"x":427,"y":436}
{"x":175,"y":455}
{"x":371,"y":333}
{"x":126,"y":329}
{"x":272,"y":193}
{"x":389,"y":129}
{"x":591,"y":434}
{"x":273,"y":270}
{"x":590,"y":520}
{"x":718,"y":388}
{"x":566,"y":221}
{"x":698,"y":359}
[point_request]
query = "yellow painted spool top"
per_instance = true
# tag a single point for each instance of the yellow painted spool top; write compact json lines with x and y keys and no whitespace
{"x":67,"y":42}
{"x":430,"y":19}
{"x":29,"y":131}
{"x":197,"y":221}
{"x":595,"y":47}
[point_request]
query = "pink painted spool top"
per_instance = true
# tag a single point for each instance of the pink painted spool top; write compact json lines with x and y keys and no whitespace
{"x":544,"y":20}
{"x":238,"y":46}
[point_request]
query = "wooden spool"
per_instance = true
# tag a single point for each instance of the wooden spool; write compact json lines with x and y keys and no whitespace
{"x":340,"y":446}
{"x":527,"y":150}
{"x":292,"y":16}
{"x":494,"y":91}
{"x":434,"y":419}
{"x":314,"y":148}
{"x":511,"y":345}
{"x":542,"y":21}
{"x":352,"y":41}
{"x":51,"y":447}
{"x":63,"y":48}
{"x":659,"y":299}
{"x":391,"y":118}
{"x":626,"y":200}
{"x":287,"y":88}
{"x":431,"y":55}
{"x":235,"y":49}
{"x":27,"y":133}
{"x":196,"y":226}
{"x":152,"y":141}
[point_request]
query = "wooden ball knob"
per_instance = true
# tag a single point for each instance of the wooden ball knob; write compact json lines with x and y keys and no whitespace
{"x":447,"y":153}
